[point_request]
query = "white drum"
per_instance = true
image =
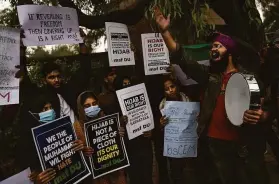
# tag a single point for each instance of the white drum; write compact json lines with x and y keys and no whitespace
{"x":242,"y":93}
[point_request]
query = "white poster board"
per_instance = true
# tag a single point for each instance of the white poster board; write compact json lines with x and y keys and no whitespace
{"x":9,"y":58}
{"x":155,"y":54}
{"x":119,"y":50}
{"x":183,"y":78}
{"x":134,"y":103}
{"x":48,"y":25}
{"x":180,"y":137}
{"x":20,"y":178}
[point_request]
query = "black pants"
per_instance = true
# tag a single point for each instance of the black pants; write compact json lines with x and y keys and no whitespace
{"x":161,"y":160}
{"x":255,"y":140}
{"x":141,"y":165}
{"x":272,"y":140}
{"x":225,"y":158}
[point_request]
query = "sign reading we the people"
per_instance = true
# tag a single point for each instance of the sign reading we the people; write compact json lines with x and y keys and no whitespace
{"x":110,"y":152}
{"x":134,"y":103}
{"x":155,"y":54}
{"x":48,"y":25}
{"x":54,"y":146}
{"x":119,"y":45}
{"x":9,"y":58}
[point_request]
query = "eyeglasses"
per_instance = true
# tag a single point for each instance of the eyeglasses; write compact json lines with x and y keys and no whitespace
{"x":217,"y":46}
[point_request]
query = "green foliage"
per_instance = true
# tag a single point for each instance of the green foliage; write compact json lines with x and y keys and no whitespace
{"x":37,"y":56}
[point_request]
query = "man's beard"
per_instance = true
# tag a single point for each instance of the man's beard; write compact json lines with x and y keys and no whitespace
{"x":219,"y":66}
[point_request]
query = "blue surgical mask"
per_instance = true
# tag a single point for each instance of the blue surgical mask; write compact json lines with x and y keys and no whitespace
{"x":47,"y":116}
{"x":92,"y":111}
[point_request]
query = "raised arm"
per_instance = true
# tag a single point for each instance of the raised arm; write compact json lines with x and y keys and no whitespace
{"x":196,"y":71}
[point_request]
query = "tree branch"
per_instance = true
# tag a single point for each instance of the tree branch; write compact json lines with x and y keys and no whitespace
{"x":127,"y":16}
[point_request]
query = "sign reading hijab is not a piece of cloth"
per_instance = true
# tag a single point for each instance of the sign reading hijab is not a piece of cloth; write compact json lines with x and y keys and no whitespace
{"x":110,"y":152}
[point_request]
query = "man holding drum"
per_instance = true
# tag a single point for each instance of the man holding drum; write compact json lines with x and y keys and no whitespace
{"x":222,"y":136}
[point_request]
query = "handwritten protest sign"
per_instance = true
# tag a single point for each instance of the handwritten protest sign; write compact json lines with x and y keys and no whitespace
{"x":134,"y":103}
{"x":20,"y":178}
{"x":110,"y":152}
{"x":119,"y":50}
{"x":180,"y":139}
{"x":48,"y":25}
{"x":9,"y":58}
{"x":53,"y":142}
{"x":155,"y":54}
{"x":183,"y":78}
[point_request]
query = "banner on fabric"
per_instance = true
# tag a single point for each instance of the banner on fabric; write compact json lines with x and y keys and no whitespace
{"x":54,"y":147}
{"x":9,"y":58}
{"x":180,"y":137}
{"x":119,"y":45}
{"x":49,"y":25}
{"x":134,"y":103}
{"x":155,"y":54}
{"x":110,"y":152}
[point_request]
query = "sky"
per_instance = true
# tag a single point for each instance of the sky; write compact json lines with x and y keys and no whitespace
{"x":103,"y":45}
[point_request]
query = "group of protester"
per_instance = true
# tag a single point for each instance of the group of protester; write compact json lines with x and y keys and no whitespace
{"x":220,"y":143}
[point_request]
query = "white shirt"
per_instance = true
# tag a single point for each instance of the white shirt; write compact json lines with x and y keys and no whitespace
{"x":65,"y":109}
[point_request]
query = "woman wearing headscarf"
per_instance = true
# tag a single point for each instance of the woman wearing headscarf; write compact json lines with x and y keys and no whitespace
{"x":88,"y":109}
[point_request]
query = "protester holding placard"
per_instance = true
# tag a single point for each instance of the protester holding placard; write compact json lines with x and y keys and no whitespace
{"x":139,"y":149}
{"x":88,"y":109}
{"x":172,"y":93}
{"x":44,"y":110}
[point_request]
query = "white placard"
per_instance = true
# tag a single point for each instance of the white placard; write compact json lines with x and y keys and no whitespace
{"x":48,"y":25}
{"x":20,"y":178}
{"x":134,"y":103}
{"x":9,"y":58}
{"x":183,"y":78}
{"x":119,"y":50}
{"x":155,"y":54}
{"x":180,"y":137}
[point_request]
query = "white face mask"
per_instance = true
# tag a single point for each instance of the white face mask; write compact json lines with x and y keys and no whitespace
{"x":92,"y":111}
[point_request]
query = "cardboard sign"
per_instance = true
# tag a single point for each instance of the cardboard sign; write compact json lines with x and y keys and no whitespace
{"x":119,"y":50}
{"x":180,"y":137}
{"x":9,"y":58}
{"x":155,"y":54}
{"x":48,"y":25}
{"x":53,"y":142}
{"x":110,"y":152}
{"x":134,"y":103}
